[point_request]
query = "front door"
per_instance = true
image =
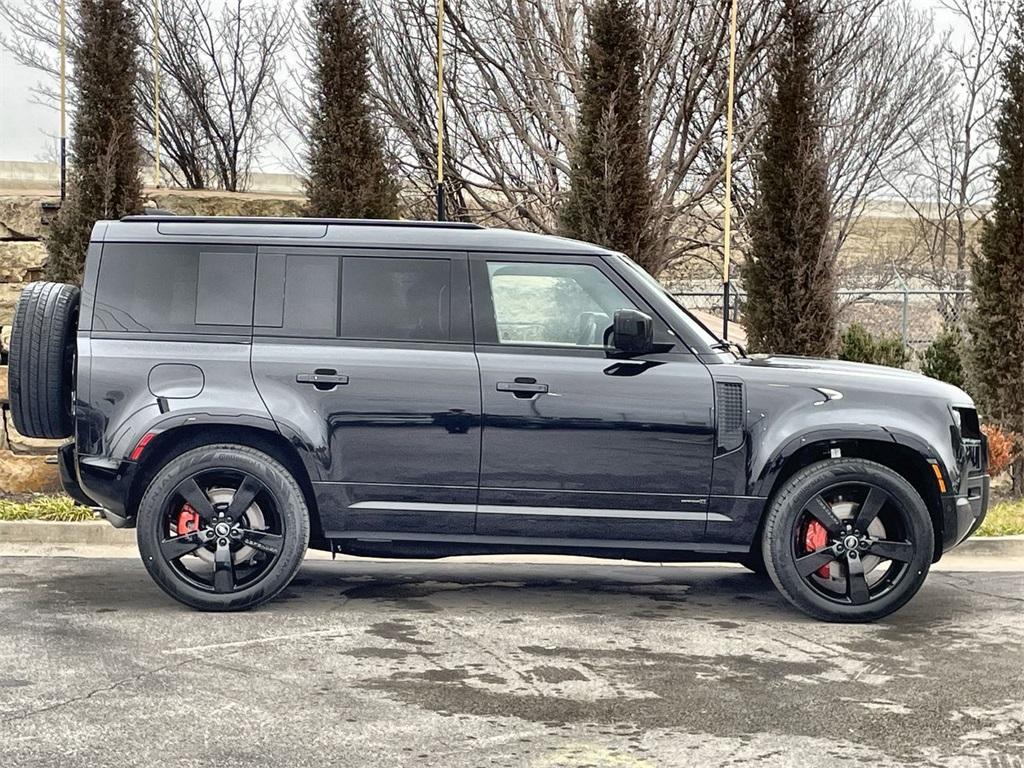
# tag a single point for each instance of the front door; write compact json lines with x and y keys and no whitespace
{"x":365,"y":360}
{"x":576,"y":445}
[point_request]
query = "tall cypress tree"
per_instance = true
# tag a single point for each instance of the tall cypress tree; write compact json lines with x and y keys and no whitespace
{"x":610,"y":200}
{"x":789,"y":274}
{"x":997,"y":320}
{"x":348,"y":171}
{"x":105,"y":154}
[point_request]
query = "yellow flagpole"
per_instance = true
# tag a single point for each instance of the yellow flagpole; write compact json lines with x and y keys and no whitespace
{"x":440,"y":111}
{"x":730,"y":103}
{"x":63,"y":104}
{"x":156,"y":92}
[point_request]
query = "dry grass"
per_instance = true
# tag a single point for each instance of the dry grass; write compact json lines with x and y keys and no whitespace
{"x":1004,"y":519}
{"x":58,"y":507}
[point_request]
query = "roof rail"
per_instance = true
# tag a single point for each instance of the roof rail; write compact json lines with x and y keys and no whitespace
{"x":158,"y":217}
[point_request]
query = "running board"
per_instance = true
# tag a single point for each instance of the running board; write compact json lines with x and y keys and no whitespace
{"x":385,"y":537}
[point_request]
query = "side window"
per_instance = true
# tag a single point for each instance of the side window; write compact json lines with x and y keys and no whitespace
{"x":298,"y":293}
{"x":396,"y":299}
{"x":553,"y":304}
{"x":354,"y":297}
{"x":151,"y":288}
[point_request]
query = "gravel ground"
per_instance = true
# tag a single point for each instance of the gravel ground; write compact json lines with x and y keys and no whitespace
{"x":504,"y":663}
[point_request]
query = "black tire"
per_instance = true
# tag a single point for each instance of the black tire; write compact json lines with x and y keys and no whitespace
{"x":852,"y":502}
{"x":175,"y":559}
{"x":42,"y":360}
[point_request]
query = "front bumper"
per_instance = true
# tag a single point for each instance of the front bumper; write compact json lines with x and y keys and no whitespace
{"x":964,"y":510}
{"x":972,"y":508}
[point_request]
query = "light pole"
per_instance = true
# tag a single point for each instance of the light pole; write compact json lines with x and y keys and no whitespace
{"x":730,"y":103}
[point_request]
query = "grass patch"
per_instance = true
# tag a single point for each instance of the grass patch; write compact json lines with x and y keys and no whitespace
{"x":60,"y":508}
{"x":1004,"y":519}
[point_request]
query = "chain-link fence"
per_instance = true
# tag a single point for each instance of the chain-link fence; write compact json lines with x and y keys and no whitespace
{"x":916,"y":316}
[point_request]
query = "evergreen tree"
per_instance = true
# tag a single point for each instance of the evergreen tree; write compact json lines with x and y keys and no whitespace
{"x":789,"y":273}
{"x":105,"y":155}
{"x":997,"y":320}
{"x":348,"y":172}
{"x":610,"y":200}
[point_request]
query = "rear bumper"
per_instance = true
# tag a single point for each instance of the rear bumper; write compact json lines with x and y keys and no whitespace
{"x":69,"y":475}
{"x":96,"y":485}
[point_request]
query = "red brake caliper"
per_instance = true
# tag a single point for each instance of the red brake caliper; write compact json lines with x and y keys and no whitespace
{"x":188,"y":520}
{"x":815,"y":538}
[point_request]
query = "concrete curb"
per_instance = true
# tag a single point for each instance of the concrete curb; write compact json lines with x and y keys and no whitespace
{"x":992,"y":546}
{"x":86,"y":533}
{"x":99,"y":532}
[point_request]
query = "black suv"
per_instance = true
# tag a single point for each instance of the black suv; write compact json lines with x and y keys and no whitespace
{"x":240,"y":389}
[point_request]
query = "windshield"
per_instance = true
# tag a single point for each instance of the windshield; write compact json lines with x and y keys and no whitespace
{"x":695,"y":325}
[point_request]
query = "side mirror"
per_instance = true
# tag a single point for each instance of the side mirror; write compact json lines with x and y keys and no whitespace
{"x":631,"y":334}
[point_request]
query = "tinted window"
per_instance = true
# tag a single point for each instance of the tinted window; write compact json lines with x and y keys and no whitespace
{"x":396,"y":299}
{"x":563,"y":304}
{"x":298,"y":293}
{"x":173,"y":289}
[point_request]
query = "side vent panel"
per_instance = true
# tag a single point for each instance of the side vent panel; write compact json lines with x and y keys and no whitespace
{"x":730,"y":410}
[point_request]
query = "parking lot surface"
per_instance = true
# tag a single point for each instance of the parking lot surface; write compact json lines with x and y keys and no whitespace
{"x":383,"y":663}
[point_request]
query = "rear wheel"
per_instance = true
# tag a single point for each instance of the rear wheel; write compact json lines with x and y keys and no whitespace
{"x":223,"y":528}
{"x":848,"y":540}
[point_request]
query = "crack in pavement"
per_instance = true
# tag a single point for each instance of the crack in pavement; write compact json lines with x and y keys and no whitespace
{"x":11,"y":717}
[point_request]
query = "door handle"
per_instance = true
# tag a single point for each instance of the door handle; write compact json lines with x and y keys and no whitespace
{"x":522,"y":388}
{"x":322,"y":379}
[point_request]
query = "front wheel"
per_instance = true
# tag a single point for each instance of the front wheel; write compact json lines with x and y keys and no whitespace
{"x":848,"y":540}
{"x":223,"y":528}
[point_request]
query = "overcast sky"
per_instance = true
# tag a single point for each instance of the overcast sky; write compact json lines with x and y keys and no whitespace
{"x":27,"y":129}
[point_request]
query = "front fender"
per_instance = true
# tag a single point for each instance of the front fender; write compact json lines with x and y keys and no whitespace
{"x":927,"y":437}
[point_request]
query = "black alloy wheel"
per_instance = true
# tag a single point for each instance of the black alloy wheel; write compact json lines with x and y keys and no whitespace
{"x":848,"y":540}
{"x":223,"y":527}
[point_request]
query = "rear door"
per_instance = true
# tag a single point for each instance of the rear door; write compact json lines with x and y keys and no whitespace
{"x":577,"y":445}
{"x":365,"y":360}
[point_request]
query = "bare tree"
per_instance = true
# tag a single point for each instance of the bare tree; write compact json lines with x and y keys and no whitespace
{"x":881,"y":74}
{"x":512,"y":91}
{"x":951,"y":180}
{"x":216,"y":66}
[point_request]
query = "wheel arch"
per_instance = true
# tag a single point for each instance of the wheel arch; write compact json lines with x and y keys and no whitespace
{"x":909,"y":461}
{"x":175,"y":441}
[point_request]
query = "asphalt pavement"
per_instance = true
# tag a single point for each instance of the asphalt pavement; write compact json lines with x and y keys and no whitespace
{"x":504,"y":663}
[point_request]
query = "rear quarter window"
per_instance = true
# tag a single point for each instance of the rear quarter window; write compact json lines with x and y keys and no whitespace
{"x":151,"y":288}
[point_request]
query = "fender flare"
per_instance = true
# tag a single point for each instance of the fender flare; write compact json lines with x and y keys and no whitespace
{"x":765,"y":474}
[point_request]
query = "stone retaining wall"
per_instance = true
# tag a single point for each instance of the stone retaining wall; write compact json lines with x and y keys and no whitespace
{"x":23,"y":461}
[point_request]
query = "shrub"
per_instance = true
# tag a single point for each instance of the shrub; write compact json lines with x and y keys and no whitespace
{"x":944,"y":357}
{"x":857,"y":344}
{"x":1003,"y":448}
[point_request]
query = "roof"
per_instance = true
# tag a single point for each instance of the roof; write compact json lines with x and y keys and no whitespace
{"x":363,"y":233}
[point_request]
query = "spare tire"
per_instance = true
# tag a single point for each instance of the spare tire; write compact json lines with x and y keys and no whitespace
{"x":42,"y":360}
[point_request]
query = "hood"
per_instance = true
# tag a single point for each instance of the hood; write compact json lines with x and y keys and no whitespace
{"x":840,"y":374}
